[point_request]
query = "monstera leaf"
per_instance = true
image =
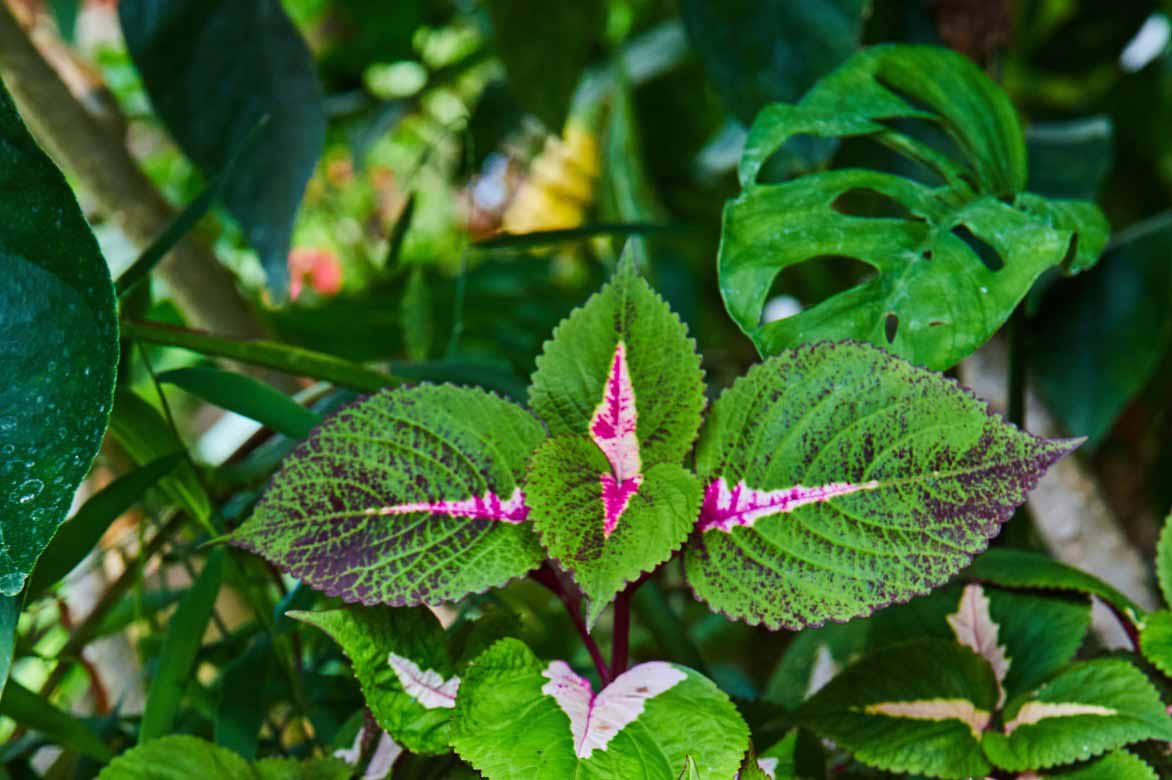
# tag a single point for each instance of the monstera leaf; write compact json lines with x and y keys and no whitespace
{"x":953,"y":252}
{"x":621,"y":389}
{"x":839,"y":479}
{"x":518,"y":718}
{"x":58,"y":327}
{"x":400,"y":657}
{"x":408,"y":497}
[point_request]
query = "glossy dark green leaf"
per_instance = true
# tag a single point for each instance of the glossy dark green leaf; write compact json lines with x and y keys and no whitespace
{"x":9,"y":616}
{"x":1070,"y":159}
{"x":35,"y":712}
{"x":545,"y":48}
{"x":953,"y":250}
{"x":181,"y":644}
{"x":759,"y":52}
{"x":77,"y":537}
{"x":1023,"y":569}
{"x":214,"y":69}
{"x":282,"y":357}
{"x":246,"y":396}
{"x":1100,"y":338}
{"x":60,"y":348}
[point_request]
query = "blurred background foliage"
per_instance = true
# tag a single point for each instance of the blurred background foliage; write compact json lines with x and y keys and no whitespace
{"x":450,"y":128}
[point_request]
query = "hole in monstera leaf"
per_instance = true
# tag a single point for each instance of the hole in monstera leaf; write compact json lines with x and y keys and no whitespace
{"x":1071,"y":252}
{"x":866,"y":202}
{"x":891,"y":326}
{"x":988,"y":255}
{"x":818,"y":278}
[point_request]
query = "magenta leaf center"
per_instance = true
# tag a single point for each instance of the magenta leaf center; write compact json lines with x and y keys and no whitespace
{"x":486,"y":507}
{"x":613,"y":429}
{"x":725,"y":508}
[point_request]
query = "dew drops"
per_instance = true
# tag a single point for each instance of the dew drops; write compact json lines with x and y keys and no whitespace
{"x":29,"y":490}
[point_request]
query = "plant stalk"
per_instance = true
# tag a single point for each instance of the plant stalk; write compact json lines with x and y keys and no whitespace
{"x":547,"y":577}
{"x":620,"y":645}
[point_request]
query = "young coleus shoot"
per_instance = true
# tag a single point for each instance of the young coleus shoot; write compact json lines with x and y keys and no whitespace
{"x":995,"y":689}
{"x":831,"y":480}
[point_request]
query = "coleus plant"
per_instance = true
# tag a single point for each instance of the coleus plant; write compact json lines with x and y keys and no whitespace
{"x":832,"y":480}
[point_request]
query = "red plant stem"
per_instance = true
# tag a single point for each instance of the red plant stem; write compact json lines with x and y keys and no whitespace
{"x":547,"y":577}
{"x":622,"y":632}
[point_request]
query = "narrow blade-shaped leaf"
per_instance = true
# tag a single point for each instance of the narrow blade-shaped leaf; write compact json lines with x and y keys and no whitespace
{"x":80,"y":535}
{"x":407,"y":497}
{"x":180,"y":647}
{"x":58,"y":326}
{"x":518,"y":718}
{"x":246,"y":396}
{"x":839,"y":479}
{"x":35,"y":712}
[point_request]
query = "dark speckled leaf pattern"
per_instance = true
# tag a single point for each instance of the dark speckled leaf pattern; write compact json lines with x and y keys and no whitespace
{"x":429,"y":443}
{"x":948,"y":474}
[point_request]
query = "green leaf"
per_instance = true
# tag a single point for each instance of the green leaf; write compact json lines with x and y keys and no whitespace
{"x":621,"y":389}
{"x":564,"y":493}
{"x":1119,"y":765}
{"x":76,"y":538}
{"x":1070,"y":159}
{"x":146,"y":436}
{"x":212,"y":103}
{"x":839,"y":479}
{"x":511,"y":721}
{"x":573,"y":369}
{"x":181,"y":645}
{"x":1038,"y":633}
{"x":9,"y":619}
{"x":246,"y":396}
{"x":416,"y":313}
{"x":919,"y":707}
{"x":965,"y":245}
{"x":281,"y":357}
{"x":1155,"y":640}
{"x":1024,"y":569}
{"x":1086,"y":710}
{"x":400,"y":657}
{"x":305,"y":769}
{"x":545,"y":49}
{"x":410,"y":496}
{"x":690,"y":771}
{"x":59,"y":327}
{"x":1102,"y":337}
{"x":178,"y":757}
{"x":759,"y":52}
{"x":1164,"y":560}
{"x":35,"y":712}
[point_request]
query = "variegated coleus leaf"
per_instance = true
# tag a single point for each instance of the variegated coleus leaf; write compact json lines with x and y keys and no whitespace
{"x":400,"y":657}
{"x":1084,"y":711}
{"x":520,"y":718}
{"x":1025,"y":636}
{"x":920,"y":707}
{"x":384,"y":753}
{"x":839,"y":479}
{"x":621,"y":390}
{"x":409,"y":496}
{"x":1119,"y":765}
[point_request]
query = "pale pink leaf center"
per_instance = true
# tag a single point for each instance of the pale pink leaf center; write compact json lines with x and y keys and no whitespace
{"x":385,"y":752}
{"x":1035,"y":711}
{"x":973,"y":626}
{"x":725,"y":508}
{"x":425,"y":686}
{"x":613,"y":429}
{"x":595,"y":720}
{"x":487,"y":507}
{"x":936,"y":709}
